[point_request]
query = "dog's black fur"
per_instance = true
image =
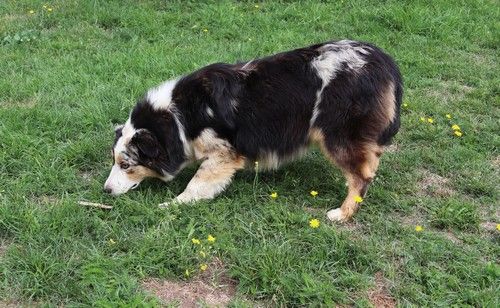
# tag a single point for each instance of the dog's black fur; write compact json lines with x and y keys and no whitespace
{"x":277,"y":106}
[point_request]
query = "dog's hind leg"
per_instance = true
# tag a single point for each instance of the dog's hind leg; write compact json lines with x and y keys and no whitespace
{"x":359,"y":166}
{"x":359,"y":163}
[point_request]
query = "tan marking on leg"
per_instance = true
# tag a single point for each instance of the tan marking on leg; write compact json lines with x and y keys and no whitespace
{"x":359,"y":167}
{"x":217,"y":169}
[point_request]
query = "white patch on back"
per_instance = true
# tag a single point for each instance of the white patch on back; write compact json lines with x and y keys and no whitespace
{"x":161,"y":96}
{"x":332,"y":59}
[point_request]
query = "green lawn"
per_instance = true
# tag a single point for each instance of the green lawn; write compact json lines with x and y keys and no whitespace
{"x":67,"y":76}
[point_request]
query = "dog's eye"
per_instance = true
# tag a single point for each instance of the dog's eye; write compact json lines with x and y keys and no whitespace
{"x":124,"y":165}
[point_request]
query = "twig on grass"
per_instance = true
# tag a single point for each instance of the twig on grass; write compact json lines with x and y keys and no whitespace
{"x":93,"y":204}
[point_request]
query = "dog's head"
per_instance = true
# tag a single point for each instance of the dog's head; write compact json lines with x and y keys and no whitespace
{"x":147,"y":145}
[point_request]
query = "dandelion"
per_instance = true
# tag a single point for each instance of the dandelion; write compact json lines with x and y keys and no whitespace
{"x":112,"y":241}
{"x":205,"y":30}
{"x":448,"y":116}
{"x":430,"y":120}
{"x":314,"y":223}
{"x":211,"y":239}
{"x":498,"y":227}
{"x":457,"y":133}
{"x":314,"y":193}
{"x":419,"y":228}
{"x":358,"y":199}
{"x":274,"y":195}
{"x":422,"y":119}
{"x":32,"y":12}
{"x":455,"y":127}
{"x":405,"y":105}
{"x":49,"y":9}
{"x":203,"y":267}
{"x":256,"y":6}
{"x":195,"y":241}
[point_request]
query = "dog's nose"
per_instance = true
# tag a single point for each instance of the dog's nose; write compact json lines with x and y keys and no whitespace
{"x":107,"y":190}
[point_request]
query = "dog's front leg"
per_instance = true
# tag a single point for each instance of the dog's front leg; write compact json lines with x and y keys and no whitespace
{"x":213,"y":176}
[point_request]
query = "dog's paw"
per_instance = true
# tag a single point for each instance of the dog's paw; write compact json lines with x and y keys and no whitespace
{"x":336,"y":215}
{"x":184,"y":198}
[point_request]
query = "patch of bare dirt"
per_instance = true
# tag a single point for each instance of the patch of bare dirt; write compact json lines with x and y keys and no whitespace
{"x":212,"y":287}
{"x":86,"y":176}
{"x":452,"y":238}
{"x":45,"y":200}
{"x":449,"y":91}
{"x":27,"y":103}
{"x":496,"y":163}
{"x":379,"y":296}
{"x":3,"y":248}
{"x":488,"y":226}
{"x":434,"y":185}
{"x":393,"y":148}
{"x":10,"y":304}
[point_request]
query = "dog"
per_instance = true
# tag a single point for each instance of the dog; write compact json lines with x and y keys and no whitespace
{"x":344,"y":96}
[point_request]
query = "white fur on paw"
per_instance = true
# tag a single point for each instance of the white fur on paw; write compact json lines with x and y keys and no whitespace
{"x":335,"y":215}
{"x":183,"y":198}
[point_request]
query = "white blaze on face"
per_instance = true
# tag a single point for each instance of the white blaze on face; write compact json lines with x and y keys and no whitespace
{"x":119,"y":182}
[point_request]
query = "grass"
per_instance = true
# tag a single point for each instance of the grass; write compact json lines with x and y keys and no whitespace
{"x":69,"y":75}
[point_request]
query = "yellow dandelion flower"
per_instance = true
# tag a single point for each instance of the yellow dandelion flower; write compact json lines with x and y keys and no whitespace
{"x":49,"y":9}
{"x":314,"y":223}
{"x":32,"y":12}
{"x":419,"y":228}
{"x":358,"y":199}
{"x":211,"y":239}
{"x":430,"y":120}
{"x":314,"y":193}
{"x":205,"y":30}
{"x":274,"y":195}
{"x":203,"y":254}
{"x":203,"y":267}
{"x":457,"y":133}
{"x":256,"y":6}
{"x":195,"y":241}
{"x":448,"y":116}
{"x":112,"y":241}
{"x":422,"y":119}
{"x":455,"y":127}
{"x":405,"y":105}
{"x":498,"y":227}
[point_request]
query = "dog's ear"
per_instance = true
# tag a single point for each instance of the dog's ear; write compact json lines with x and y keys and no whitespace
{"x":118,"y":131}
{"x":224,"y":87}
{"x":146,"y":143}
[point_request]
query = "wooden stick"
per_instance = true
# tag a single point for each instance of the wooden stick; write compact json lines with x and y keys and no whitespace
{"x":93,"y":204}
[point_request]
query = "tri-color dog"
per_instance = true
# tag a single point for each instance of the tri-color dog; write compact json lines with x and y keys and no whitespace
{"x":344,"y":96}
